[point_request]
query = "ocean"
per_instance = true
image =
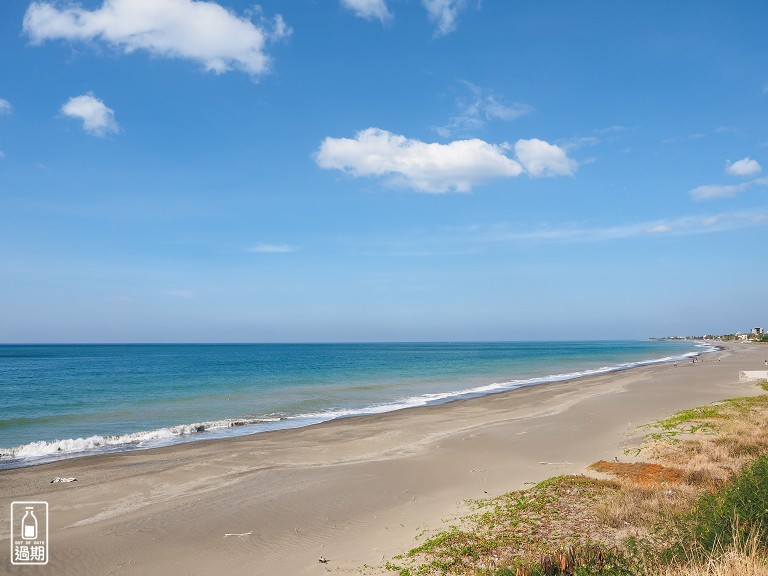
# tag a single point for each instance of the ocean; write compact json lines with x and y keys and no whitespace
{"x":62,"y":401}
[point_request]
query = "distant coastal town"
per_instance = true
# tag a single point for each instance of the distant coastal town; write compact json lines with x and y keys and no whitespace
{"x":754,"y":335}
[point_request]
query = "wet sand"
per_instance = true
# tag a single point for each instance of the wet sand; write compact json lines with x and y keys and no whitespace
{"x":355,"y":491}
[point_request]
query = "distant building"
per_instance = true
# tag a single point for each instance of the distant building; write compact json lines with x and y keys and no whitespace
{"x":758,"y":331}
{"x":753,"y":375}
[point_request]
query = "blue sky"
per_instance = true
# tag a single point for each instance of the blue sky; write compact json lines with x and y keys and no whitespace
{"x":346,"y":170}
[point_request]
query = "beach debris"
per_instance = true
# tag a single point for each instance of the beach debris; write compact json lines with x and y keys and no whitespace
{"x":323,"y":560}
{"x":556,"y":463}
{"x":60,"y":479}
{"x":243,"y":534}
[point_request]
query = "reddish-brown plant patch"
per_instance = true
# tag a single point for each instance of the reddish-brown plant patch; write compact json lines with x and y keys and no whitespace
{"x":641,"y":473}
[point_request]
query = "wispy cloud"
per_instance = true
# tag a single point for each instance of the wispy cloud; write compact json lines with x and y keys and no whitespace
{"x":168,"y":28}
{"x":695,"y":136}
{"x":272,"y":249}
{"x":369,"y":9}
{"x":615,"y":129}
{"x":98,"y":119}
{"x":5,"y":109}
{"x":578,"y":142}
{"x":479,"y":107}
{"x":728,"y":130}
{"x":458,"y":241}
{"x":711,"y":191}
{"x":598,"y":136}
{"x":444,"y":14}
{"x":433,"y":253}
{"x":681,"y":226}
{"x":439,"y":168}
{"x":185,"y":294}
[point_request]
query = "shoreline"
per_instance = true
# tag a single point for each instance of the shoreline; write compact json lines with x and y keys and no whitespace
{"x":355,"y":490}
{"x":38,"y":452}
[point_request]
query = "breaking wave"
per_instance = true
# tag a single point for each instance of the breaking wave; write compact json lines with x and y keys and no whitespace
{"x":46,"y":451}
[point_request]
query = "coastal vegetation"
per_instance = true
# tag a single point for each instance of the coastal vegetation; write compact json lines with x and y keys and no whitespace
{"x":692,"y":500}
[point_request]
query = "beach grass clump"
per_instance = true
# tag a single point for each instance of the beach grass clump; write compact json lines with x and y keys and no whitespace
{"x":517,"y":529}
{"x":710,"y":444}
{"x":706,"y":420}
{"x":733,"y":516}
{"x":700,"y":420}
{"x":703,"y":420}
{"x":635,"y":510}
{"x":740,"y":558}
{"x":584,"y":560}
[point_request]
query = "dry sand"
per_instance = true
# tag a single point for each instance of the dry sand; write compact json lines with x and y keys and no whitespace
{"x":355,"y":491}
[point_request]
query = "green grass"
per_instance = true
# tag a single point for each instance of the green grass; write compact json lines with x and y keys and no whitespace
{"x":691,"y":421}
{"x":735,"y":512}
{"x":703,"y":419}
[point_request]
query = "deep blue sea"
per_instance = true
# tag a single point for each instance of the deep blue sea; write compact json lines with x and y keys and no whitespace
{"x":59,"y":401}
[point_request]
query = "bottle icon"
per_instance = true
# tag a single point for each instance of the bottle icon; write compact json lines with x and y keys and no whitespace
{"x":29,"y":524}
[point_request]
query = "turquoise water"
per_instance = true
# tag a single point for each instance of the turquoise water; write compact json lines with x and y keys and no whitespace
{"x":66,"y":400}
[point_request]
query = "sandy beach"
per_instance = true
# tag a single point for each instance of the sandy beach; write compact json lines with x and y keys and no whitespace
{"x":355,"y":491}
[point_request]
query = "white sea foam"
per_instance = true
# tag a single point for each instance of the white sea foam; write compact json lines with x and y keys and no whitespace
{"x":42,"y":451}
{"x":437,"y":398}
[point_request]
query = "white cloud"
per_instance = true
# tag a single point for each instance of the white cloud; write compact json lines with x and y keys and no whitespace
{"x":438,"y":168}
{"x":493,"y":109}
{"x":5,"y":107}
{"x":681,"y":226}
{"x":369,"y":9}
{"x":709,"y":191}
{"x":540,"y":158}
{"x":428,"y":167}
{"x":272,"y":249}
{"x":616,"y":128}
{"x":97,"y":118}
{"x":744,"y":167}
{"x":578,"y":142}
{"x":696,"y":136}
{"x":478,"y":108}
{"x":204,"y":32}
{"x":444,"y":13}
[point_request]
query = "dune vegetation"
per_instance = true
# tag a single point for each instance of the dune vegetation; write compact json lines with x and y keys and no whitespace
{"x":692,"y":500}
